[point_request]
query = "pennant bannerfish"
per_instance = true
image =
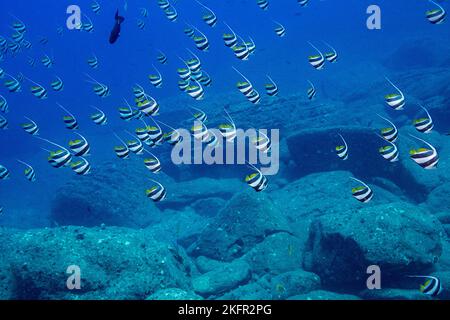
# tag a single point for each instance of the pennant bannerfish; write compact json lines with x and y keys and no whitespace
{"x":30,"y":127}
{"x":390,"y":133}
{"x":427,"y":158}
{"x":80,"y":147}
{"x":59,"y":158}
{"x":99,"y":117}
{"x":342,"y":150}
{"x":436,"y":16}
{"x":122,"y":151}
{"x":271,"y":88}
{"x":390,"y":152}
{"x":317,"y":61}
{"x":432,"y":286}
{"x":311,"y":91}
{"x":424,"y":125}
{"x":157,"y":193}
{"x":29,"y":172}
{"x":362,"y":193}
{"x":256,"y":180}
{"x":209,"y":17}
{"x":395,"y":100}
{"x":69,"y":119}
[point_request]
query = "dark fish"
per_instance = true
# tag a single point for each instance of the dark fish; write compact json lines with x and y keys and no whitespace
{"x":115,"y":33}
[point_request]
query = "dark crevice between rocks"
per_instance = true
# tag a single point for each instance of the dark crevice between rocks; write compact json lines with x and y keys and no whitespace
{"x":314,"y":152}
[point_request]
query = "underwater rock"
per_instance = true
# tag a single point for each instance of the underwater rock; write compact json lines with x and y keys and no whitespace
{"x":251,"y":291}
{"x":208,"y":207}
{"x":185,"y":193}
{"x":247,"y":220}
{"x":278,"y":253}
{"x":415,"y":53}
{"x":293,"y":283}
{"x":393,"y":294}
{"x":222,"y":279}
{"x":174,"y":294}
{"x":205,"y":264}
{"x":324,"y":295}
{"x":439,"y":199}
{"x":115,"y":263}
{"x":400,"y":238}
{"x":96,"y":199}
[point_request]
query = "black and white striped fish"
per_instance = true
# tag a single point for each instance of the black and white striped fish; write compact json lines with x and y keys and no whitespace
{"x":30,"y":127}
{"x":271,"y":88}
{"x":152,"y":163}
{"x":99,"y":117}
{"x":156,"y":79}
{"x":57,"y":84}
{"x":79,"y":147}
{"x":209,"y":16}
{"x":122,"y":151}
{"x":432,"y":286}
{"x":257,"y":180}
{"x":390,"y":152}
{"x":230,"y":39}
{"x":29,"y":172}
{"x":318,"y":60}
{"x":427,"y":158}
{"x":4,"y":107}
{"x":81,"y":166}
{"x":395,"y":100}
{"x":59,"y":158}
{"x":228,"y":130}
{"x":424,"y":125}
{"x":362,"y":193}
{"x":262,"y":142}
{"x":342,"y":150}
{"x":436,"y":16}
{"x":390,"y":133}
{"x":4,"y":173}
{"x":280,"y":30}
{"x":99,"y":89}
{"x":311,"y":91}
{"x":69,"y":119}
{"x":157,"y":192}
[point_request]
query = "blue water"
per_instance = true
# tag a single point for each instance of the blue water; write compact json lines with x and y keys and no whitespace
{"x":342,"y":23}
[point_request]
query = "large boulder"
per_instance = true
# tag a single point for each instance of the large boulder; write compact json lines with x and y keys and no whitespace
{"x":293,"y":283}
{"x":247,"y":220}
{"x":222,"y":279}
{"x":115,"y":263}
{"x":113,"y":194}
{"x":278,"y":253}
{"x":398,"y":237}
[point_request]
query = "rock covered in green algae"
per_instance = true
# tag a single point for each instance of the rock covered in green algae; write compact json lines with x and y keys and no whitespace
{"x":96,"y":199}
{"x":247,"y":220}
{"x":323,"y":295}
{"x":399,"y":237}
{"x":116,"y":263}
{"x":174,"y":294}
{"x":222,"y":279}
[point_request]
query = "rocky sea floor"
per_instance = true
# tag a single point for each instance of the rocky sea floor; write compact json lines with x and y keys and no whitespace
{"x":305,"y":237}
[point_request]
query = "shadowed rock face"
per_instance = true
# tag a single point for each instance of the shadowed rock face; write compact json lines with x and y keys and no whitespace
{"x":362,"y":144}
{"x":398,"y":237}
{"x":114,"y":194}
